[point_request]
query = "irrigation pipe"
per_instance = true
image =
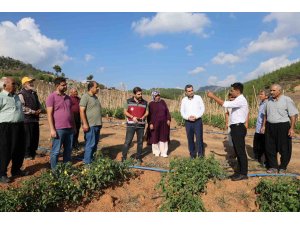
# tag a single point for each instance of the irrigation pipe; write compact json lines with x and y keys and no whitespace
{"x":167,"y":171}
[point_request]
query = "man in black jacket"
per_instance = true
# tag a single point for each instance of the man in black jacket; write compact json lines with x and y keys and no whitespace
{"x":32,"y":109}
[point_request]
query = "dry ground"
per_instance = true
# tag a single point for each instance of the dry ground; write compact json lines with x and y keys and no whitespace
{"x":141,"y":195}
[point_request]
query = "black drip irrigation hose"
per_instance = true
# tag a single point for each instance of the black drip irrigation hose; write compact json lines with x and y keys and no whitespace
{"x":167,"y":171}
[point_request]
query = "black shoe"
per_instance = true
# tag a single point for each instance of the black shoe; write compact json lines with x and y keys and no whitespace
{"x":4,"y":180}
{"x":20,"y":173}
{"x":239,"y":177}
{"x":234,"y":175}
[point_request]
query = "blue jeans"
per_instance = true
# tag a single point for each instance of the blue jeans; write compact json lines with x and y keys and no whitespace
{"x":192,"y":129}
{"x":91,"y":142}
{"x":64,"y":137}
{"x":139,"y":130}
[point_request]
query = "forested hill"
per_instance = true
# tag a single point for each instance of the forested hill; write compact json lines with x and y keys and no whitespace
{"x":18,"y":69}
{"x":288,"y":77}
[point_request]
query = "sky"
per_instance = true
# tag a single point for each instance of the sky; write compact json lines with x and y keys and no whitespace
{"x":150,"y":50}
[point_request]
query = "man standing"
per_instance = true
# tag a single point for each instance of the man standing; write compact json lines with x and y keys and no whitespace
{"x":259,"y":138}
{"x":135,"y":110}
{"x":279,"y":123}
{"x":76,"y":115}
{"x":192,"y":108}
{"x":239,"y":115}
{"x":61,"y":122}
{"x":12,"y":144}
{"x":90,"y":113}
{"x":32,"y":109}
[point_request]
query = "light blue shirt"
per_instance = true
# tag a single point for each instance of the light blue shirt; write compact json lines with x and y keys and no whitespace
{"x":260,"y":117}
{"x":10,"y":108}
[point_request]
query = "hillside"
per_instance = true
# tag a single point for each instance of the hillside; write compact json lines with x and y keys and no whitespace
{"x":18,"y":69}
{"x":288,"y":77}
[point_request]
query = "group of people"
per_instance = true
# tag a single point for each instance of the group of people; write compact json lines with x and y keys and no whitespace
{"x":275,"y":126}
{"x":19,"y":124}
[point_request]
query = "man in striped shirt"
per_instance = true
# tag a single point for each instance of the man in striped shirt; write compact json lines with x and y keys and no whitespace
{"x":135,"y":110}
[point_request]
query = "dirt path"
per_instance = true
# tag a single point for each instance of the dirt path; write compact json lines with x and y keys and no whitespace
{"x":140,"y":194}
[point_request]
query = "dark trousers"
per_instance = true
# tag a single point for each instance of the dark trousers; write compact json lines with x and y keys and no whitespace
{"x":32,"y":136}
{"x":130,"y":131}
{"x":77,"y":124}
{"x":195,"y":129}
{"x":12,"y":146}
{"x":238,"y":134}
{"x":277,"y":140}
{"x":258,"y":145}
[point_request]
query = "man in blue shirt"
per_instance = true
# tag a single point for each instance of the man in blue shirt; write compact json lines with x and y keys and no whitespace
{"x":259,"y":138}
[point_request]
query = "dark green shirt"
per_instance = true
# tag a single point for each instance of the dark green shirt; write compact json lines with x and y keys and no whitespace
{"x":92,"y":109}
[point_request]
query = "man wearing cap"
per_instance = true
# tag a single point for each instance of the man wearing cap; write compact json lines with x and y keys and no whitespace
{"x":32,"y":108}
{"x":11,"y":131}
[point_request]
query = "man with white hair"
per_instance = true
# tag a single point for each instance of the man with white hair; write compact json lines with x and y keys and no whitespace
{"x":32,"y":109}
{"x":2,"y":80}
{"x":279,"y":122}
{"x":11,"y":131}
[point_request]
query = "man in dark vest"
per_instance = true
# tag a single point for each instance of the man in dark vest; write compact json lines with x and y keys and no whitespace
{"x":32,"y":109}
{"x":135,"y":110}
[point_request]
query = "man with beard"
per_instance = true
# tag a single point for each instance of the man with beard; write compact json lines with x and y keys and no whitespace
{"x":32,"y":109}
{"x":135,"y":110}
{"x":61,"y":121}
{"x":90,"y":113}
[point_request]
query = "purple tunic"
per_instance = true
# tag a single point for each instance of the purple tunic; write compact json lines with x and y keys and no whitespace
{"x":158,"y":116}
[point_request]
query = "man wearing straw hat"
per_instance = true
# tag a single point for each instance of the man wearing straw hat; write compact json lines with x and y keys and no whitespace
{"x":32,"y":108}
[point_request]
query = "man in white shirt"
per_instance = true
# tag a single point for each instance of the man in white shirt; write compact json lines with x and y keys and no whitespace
{"x":192,"y":108}
{"x":238,"y":119}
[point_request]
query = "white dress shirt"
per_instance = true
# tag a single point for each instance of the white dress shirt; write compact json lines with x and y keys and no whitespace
{"x":192,"y":107}
{"x":240,"y":109}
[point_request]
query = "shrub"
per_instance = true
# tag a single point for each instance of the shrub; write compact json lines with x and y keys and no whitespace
{"x":66,"y":186}
{"x":186,"y":181}
{"x":279,"y":195}
{"x":178,"y":118}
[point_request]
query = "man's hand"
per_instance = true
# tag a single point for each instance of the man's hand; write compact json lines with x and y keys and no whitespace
{"x":168,"y":122}
{"x":291,"y":132}
{"x":210,"y":94}
{"x":85,"y":127}
{"x":135,"y":119}
{"x":192,"y":118}
{"x":262,"y":130}
{"x":53,"y":133}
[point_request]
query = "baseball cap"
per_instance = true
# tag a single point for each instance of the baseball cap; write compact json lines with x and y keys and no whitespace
{"x":26,"y":79}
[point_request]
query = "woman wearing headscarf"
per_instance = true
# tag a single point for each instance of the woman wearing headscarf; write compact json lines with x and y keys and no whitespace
{"x":159,"y":120}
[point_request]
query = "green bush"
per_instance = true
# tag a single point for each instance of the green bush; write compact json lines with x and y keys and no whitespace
{"x":186,"y":181}
{"x":66,"y":187}
{"x":279,"y":195}
{"x":178,"y":118}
